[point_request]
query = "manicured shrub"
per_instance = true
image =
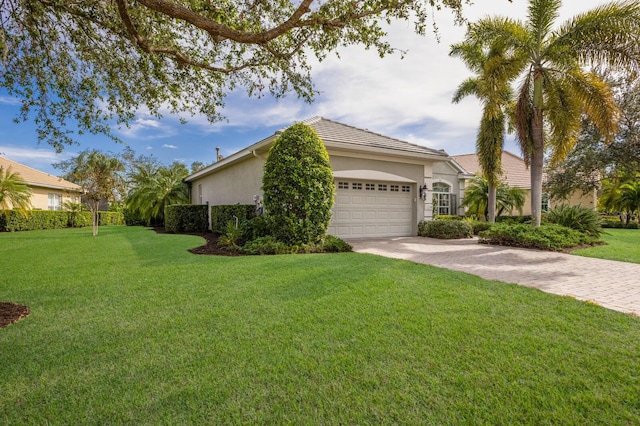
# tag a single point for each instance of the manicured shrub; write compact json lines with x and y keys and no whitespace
{"x":448,"y":217}
{"x":298,"y":186}
{"x":255,"y":227}
{"x":579,"y":218}
{"x":632,"y":225}
{"x":110,"y":218}
{"x":445,"y":229}
{"x":545,"y":237}
{"x":132,"y":218}
{"x":333,"y":244}
{"x":266,"y":245}
{"x":479,"y":226}
{"x":221,"y":214}
{"x":612,"y":223}
{"x":181,"y":218}
{"x":36,"y":219}
{"x":513,"y":219}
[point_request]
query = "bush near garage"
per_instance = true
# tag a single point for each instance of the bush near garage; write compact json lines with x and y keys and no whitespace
{"x":236,"y":213}
{"x":551,"y":237}
{"x":445,"y":229}
{"x":180,"y":218}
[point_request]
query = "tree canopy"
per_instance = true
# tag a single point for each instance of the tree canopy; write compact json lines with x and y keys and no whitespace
{"x":93,"y":61}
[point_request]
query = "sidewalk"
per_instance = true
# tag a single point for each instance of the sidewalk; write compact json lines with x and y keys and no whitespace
{"x":611,"y":284}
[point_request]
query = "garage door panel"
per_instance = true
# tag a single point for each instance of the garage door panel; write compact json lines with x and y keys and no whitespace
{"x":371,"y":212}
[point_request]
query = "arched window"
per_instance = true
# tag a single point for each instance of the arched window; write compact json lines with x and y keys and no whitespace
{"x":443,"y":199}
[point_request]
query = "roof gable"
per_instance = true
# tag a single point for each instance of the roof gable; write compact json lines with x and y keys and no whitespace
{"x":336,"y":135}
{"x":515,"y":171}
{"x":37,"y":178}
{"x":334,"y":132}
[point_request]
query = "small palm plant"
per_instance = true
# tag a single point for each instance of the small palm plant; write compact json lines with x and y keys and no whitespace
{"x":580,"y":218}
{"x":15,"y":193}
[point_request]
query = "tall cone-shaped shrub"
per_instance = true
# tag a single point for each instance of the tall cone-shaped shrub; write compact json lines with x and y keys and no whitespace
{"x":298,"y":186}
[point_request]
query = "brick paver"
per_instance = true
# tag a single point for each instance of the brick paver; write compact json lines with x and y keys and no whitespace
{"x":614,"y":285}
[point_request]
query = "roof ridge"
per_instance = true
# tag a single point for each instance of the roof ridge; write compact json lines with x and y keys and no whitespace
{"x":378,"y":134}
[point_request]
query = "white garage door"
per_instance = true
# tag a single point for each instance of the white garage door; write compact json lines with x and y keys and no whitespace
{"x":366,"y":209}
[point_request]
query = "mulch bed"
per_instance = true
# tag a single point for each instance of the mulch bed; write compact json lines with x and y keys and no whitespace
{"x":12,"y":312}
{"x":210,"y":246}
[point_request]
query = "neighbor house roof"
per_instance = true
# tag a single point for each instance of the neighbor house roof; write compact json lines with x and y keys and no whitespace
{"x":37,"y":178}
{"x":337,"y":136}
{"x":515,"y":171}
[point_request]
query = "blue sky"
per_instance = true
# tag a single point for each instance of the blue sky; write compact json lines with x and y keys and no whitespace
{"x":409,"y":99}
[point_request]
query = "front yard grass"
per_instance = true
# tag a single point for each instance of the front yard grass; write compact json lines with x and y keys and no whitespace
{"x":129,"y":327}
{"x":622,"y":245}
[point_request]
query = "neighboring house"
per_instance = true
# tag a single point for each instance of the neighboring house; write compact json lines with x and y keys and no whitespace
{"x":384,"y":186}
{"x":47,"y":192}
{"x":517,"y":174}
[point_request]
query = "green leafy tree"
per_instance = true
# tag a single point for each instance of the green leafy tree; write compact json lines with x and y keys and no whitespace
{"x":99,"y":176}
{"x":93,"y":60}
{"x":298,"y":186}
{"x":556,"y":90}
{"x":593,"y":159}
{"x":15,"y":193}
{"x":153,"y":187}
{"x":508,"y":198}
{"x":629,"y":198}
{"x":494,"y":68}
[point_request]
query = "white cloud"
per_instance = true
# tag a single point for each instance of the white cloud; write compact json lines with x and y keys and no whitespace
{"x":37,"y":158}
{"x":147,"y":128}
{"x":166,"y":145}
{"x":8,"y":100}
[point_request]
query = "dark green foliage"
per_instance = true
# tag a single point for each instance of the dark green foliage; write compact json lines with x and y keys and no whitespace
{"x":49,"y":219}
{"x":576,"y":217}
{"x":255,"y":227}
{"x":333,"y":244}
{"x":448,"y":217}
{"x":445,"y":229}
{"x":231,"y":239}
{"x":266,"y":245}
{"x":610,"y":223}
{"x":545,"y":237}
{"x":298,"y":186}
{"x":110,"y":218}
{"x":514,"y":219}
{"x":270,"y":245}
{"x":133,"y":218}
{"x":632,"y":225}
{"x":224,"y":213}
{"x":181,"y":218}
{"x":480,"y":226}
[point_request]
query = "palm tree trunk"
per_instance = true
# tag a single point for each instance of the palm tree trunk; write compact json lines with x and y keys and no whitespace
{"x":536,"y":165}
{"x":491,"y":204}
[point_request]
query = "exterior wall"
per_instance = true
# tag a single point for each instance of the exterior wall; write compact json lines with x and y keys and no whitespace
{"x":579,"y":199}
{"x":231,"y":185}
{"x":40,"y":197}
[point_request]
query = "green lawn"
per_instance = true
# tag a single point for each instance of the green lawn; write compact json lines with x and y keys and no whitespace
{"x":130,"y":328}
{"x":622,"y":244}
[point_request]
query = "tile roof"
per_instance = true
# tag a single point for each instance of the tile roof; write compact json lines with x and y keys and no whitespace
{"x":332,"y":131}
{"x":515,"y":171}
{"x":37,"y":178}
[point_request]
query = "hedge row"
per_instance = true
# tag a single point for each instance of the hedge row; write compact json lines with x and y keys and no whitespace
{"x":12,"y":220}
{"x":222,"y":214}
{"x":182,"y":218}
{"x":608,"y":223}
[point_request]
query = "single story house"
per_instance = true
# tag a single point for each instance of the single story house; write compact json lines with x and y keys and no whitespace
{"x":48,"y":192}
{"x":517,"y":174}
{"x":384,"y":186}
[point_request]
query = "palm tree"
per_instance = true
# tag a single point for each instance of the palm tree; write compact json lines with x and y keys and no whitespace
{"x":15,"y":193}
{"x":494,"y":69}
{"x":629,"y":199}
{"x":154,"y":188}
{"x":556,"y":90}
{"x":476,"y":197}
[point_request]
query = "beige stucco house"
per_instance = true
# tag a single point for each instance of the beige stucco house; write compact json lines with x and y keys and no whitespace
{"x":48,"y":192}
{"x":384,"y":186}
{"x":517,"y":174}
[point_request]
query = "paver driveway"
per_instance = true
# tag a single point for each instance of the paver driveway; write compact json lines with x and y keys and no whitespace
{"x":614,"y":285}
